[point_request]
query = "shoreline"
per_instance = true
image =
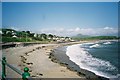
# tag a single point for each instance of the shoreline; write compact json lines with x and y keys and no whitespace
{"x":73,"y":66}
{"x":48,"y":51}
{"x":33,"y":55}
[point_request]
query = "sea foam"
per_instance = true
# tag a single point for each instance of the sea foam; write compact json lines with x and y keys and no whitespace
{"x":86,"y":61}
{"x":107,"y":43}
{"x":95,"y":46}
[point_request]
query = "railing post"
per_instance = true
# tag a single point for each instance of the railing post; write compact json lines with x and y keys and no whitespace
{"x":3,"y":68}
{"x":26,"y":74}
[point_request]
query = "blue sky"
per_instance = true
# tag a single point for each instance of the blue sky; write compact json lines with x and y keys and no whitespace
{"x":60,"y":0}
{"x":62,"y":18}
{"x":0,"y":14}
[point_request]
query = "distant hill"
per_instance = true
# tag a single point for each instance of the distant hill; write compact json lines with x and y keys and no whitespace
{"x":87,"y":37}
{"x":81,"y":36}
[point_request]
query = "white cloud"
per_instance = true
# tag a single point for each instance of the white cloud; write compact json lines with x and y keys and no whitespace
{"x":108,"y":28}
{"x":77,"y":30}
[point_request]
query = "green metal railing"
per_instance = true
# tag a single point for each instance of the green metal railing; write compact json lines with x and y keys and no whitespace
{"x":25,"y":75}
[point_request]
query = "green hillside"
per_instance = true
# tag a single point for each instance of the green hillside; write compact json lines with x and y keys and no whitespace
{"x":87,"y":37}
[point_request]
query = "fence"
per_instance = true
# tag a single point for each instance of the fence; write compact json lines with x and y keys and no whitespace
{"x":25,"y":75}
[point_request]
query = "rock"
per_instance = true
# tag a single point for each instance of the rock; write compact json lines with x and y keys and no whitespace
{"x":30,"y":70}
{"x":30,"y":63}
{"x":33,"y":76}
{"x":33,"y":49}
{"x":43,"y":46}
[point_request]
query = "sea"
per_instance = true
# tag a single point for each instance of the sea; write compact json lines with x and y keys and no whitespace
{"x":99,"y":57}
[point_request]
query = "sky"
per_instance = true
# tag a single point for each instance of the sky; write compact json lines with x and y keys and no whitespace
{"x":0,"y":14}
{"x":59,"y":0}
{"x":62,"y":18}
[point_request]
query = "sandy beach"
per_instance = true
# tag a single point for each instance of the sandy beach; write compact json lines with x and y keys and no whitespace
{"x":36,"y":58}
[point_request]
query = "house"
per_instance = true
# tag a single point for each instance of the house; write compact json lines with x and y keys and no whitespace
{"x":35,"y":35}
{"x":14,"y":36}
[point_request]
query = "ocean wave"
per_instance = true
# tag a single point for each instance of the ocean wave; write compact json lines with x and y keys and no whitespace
{"x":95,"y":46}
{"x":86,"y":61}
{"x":107,"y":43}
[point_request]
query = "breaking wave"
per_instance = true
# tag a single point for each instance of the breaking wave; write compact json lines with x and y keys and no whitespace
{"x":107,"y":43}
{"x":95,"y":46}
{"x":86,"y":61}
